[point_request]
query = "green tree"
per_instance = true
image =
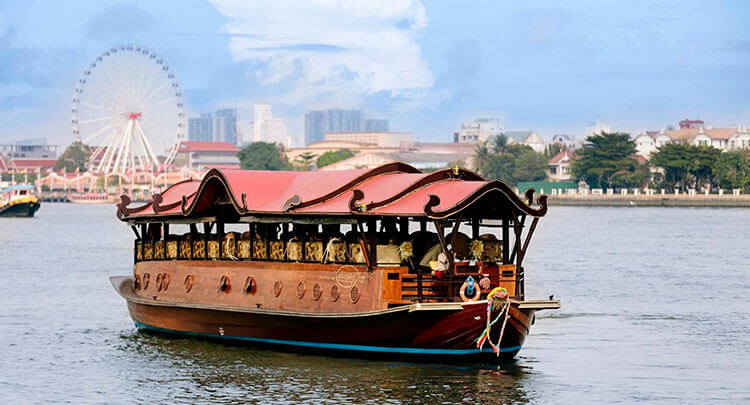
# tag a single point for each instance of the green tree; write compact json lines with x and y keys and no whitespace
{"x":637,"y":177}
{"x":262,"y":156}
{"x":304,"y":161}
{"x":686,"y":165}
{"x":732,"y":169}
{"x":552,"y":149}
{"x":500,"y":168}
{"x":331,"y":157}
{"x":530,"y":166}
{"x":499,"y":144}
{"x":602,"y":156}
{"x":481,"y":158}
{"x":75,"y":156}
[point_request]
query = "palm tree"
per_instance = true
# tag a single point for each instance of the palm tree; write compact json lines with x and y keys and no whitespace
{"x":481,"y":157}
{"x":499,"y":144}
{"x":305,"y":161}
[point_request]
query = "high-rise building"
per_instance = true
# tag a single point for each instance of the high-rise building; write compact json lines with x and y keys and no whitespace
{"x":319,"y":123}
{"x":36,"y":148}
{"x":262,"y":113}
{"x":377,"y":125}
{"x":219,"y":126}
{"x":478,"y":131}
{"x":266,"y":128}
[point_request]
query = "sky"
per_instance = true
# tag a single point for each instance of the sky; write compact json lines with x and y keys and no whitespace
{"x":427,"y":66}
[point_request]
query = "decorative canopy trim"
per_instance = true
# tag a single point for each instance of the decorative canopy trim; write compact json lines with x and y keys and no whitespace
{"x":468,"y":189}
{"x":356,"y":202}
{"x":487,"y":188}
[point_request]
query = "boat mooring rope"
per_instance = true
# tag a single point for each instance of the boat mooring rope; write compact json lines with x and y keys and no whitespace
{"x":498,"y":294}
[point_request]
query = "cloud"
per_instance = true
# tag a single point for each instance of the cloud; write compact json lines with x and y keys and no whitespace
{"x":328,"y":52}
{"x":13,"y":102}
{"x":31,"y":66}
{"x":120,"y":21}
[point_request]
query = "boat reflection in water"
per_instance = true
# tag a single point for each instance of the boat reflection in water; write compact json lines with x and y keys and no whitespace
{"x":18,"y":201}
{"x":325,"y":261}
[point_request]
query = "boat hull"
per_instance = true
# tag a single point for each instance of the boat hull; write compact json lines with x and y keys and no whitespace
{"x":24,"y":209}
{"x":417,"y":332}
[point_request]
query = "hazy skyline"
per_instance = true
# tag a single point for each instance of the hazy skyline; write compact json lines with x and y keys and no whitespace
{"x":425,"y":66}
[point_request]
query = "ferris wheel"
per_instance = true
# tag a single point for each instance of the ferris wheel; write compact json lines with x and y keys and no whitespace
{"x":127,"y":107}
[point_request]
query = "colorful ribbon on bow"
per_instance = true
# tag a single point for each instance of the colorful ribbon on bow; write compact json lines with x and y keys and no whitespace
{"x":498,"y":293}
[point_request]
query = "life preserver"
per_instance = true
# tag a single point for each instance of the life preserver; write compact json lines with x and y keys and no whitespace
{"x":224,"y":285}
{"x":470,"y":285}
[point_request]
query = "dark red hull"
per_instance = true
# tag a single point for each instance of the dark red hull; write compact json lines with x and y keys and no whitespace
{"x":441,"y":332}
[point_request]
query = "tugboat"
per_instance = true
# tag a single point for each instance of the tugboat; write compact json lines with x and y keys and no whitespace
{"x":388,"y":262}
{"x":18,"y":201}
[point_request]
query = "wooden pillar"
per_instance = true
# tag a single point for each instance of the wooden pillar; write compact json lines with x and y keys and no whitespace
{"x":403,"y":227}
{"x":164,"y":232}
{"x":475,"y":228}
{"x":506,"y":241}
{"x":144,"y":229}
{"x":517,"y":248}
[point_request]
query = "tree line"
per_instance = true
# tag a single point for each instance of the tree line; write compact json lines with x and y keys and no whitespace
{"x":608,"y":160}
{"x":269,"y":156}
{"x":497,"y":159}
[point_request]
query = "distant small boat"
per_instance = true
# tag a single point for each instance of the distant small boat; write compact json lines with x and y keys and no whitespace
{"x":18,"y":201}
{"x":90,"y":198}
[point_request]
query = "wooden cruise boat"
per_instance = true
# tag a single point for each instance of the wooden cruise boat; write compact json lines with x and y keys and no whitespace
{"x":18,"y":201}
{"x":385,"y":262}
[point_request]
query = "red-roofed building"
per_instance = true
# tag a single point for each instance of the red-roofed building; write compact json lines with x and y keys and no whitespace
{"x":3,"y":168}
{"x":201,"y":155}
{"x":559,"y":166}
{"x":31,"y":165}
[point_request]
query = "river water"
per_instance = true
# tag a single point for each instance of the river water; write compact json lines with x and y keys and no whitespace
{"x":654,"y":308}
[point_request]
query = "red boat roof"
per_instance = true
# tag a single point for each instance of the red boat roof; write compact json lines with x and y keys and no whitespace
{"x":394,"y":189}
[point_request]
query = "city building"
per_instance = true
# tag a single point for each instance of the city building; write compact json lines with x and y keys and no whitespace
{"x":370,"y":155}
{"x":720,"y":138}
{"x":420,"y":160}
{"x":559,"y":166}
{"x":205,"y":155}
{"x":31,"y":165}
{"x":36,"y":148}
{"x":597,"y":129}
{"x":567,"y":142}
{"x":381,"y":139}
{"x":688,"y":123}
{"x":377,"y":125}
{"x":528,"y":138}
{"x":219,"y":126}
{"x":262,"y":112}
{"x":647,"y":142}
{"x":266,"y":128}
{"x":319,"y":123}
{"x":477,"y":131}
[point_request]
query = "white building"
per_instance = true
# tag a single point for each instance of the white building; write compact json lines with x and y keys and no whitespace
{"x":262,"y":113}
{"x":568,"y":142}
{"x":597,"y":129}
{"x":528,"y":138}
{"x":381,"y":139}
{"x":647,"y":142}
{"x":266,"y":128}
{"x":559,"y":166}
{"x":478,"y":131}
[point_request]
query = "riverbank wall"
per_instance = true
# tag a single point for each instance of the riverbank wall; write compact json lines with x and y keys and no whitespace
{"x":659,"y":200}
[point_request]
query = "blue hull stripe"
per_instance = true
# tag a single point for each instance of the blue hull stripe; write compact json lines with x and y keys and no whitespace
{"x":337,"y":346}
